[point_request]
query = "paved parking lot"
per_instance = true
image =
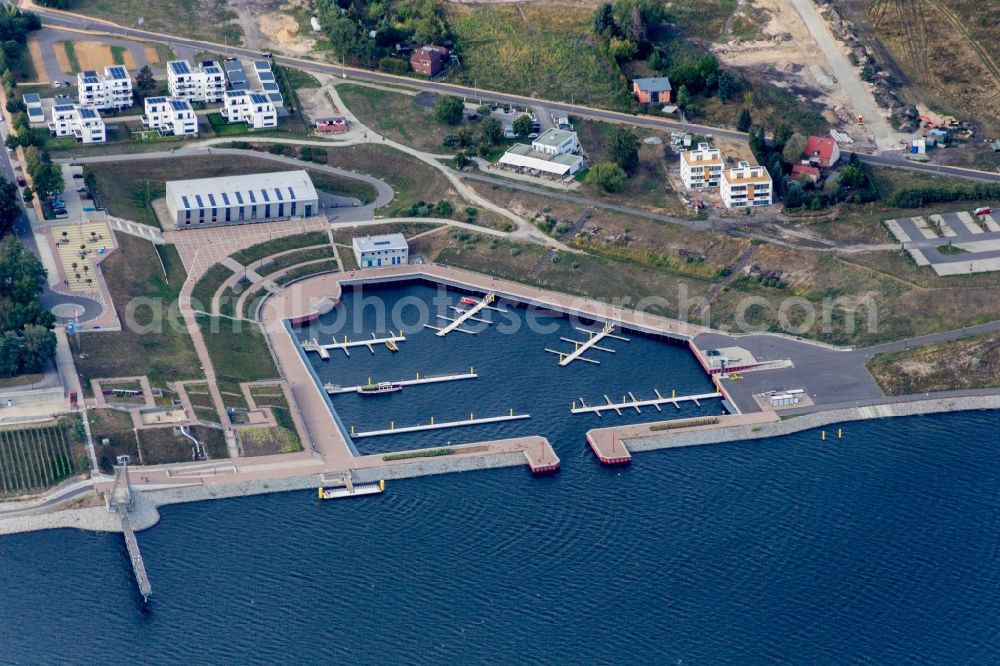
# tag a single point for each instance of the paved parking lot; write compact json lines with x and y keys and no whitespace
{"x":951,"y":243}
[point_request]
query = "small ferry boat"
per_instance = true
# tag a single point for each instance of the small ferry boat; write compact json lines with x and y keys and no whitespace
{"x":468,"y":301}
{"x":391,"y":345}
{"x":340,"y":492}
{"x":379,"y":388}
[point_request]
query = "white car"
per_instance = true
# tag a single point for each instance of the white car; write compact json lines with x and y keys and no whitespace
{"x":56,"y":84}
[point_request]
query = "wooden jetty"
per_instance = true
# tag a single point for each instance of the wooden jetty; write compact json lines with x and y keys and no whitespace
{"x":455,"y":323}
{"x":631,"y":402}
{"x":333,"y":389}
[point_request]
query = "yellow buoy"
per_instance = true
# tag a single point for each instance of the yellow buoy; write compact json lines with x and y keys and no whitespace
{"x":822,"y":435}
{"x":840,"y":433}
{"x":319,"y":492}
{"x":432,"y":420}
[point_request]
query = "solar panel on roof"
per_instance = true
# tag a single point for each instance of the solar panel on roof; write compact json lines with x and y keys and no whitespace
{"x":257,"y":98}
{"x":36,"y":112}
{"x":89,"y":72}
{"x":63,"y":107}
{"x":88,"y":113}
{"x":118,"y":72}
{"x":91,"y":79}
{"x":179,"y":105}
{"x":179,"y":67}
{"x":156,"y":100}
{"x":269,"y":86}
{"x":241,"y":85}
{"x":266,"y":76}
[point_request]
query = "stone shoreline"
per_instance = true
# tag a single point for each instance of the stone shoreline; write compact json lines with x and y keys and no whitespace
{"x":798,"y":423}
{"x":146,"y":514}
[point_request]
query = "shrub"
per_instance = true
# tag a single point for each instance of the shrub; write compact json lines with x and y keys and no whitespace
{"x":608,"y":176}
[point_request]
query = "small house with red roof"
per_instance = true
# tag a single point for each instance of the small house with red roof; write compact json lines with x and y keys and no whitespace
{"x":805,"y":172}
{"x":822,"y":151}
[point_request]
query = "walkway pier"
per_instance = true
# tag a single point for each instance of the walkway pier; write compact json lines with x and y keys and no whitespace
{"x":541,"y":457}
{"x":333,"y":389}
{"x":324,"y":353}
{"x":635,"y":403}
{"x":580,"y":347}
{"x":472,"y":420}
{"x":121,"y":501}
{"x":608,"y":449}
{"x":466,"y":315}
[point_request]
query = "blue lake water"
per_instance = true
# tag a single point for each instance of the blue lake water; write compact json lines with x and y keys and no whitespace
{"x":879,"y":548}
{"x":515,"y":372}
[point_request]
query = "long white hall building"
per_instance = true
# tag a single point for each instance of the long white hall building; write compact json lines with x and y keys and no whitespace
{"x":247,"y":199}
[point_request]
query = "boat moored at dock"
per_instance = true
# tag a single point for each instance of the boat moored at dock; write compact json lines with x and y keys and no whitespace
{"x":380,"y":388}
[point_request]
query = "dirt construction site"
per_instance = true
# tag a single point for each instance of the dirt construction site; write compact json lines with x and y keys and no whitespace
{"x":795,"y":50}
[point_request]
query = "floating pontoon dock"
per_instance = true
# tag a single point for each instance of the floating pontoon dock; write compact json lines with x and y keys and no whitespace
{"x":472,"y":420}
{"x":635,"y":403}
{"x":454,"y":324}
{"x":324,"y":350}
{"x":333,"y":389}
{"x":581,"y":346}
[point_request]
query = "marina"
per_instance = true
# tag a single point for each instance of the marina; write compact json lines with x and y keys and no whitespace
{"x":324,"y":350}
{"x":582,"y":346}
{"x":332,"y":389}
{"x":631,"y":402}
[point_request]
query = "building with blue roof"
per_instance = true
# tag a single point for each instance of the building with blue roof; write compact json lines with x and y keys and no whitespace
{"x":203,"y":83}
{"x":111,"y":90}
{"x":81,"y":122}
{"x":170,"y":116}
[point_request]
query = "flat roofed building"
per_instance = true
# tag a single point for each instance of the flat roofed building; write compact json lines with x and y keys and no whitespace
{"x":701,"y":168}
{"x":81,"y":122}
{"x":203,"y":83}
{"x":170,"y":116}
{"x":111,"y":90}
{"x":375,"y":251}
{"x":554,"y":153}
{"x":246,"y":199}
{"x":746,"y":186}
{"x":252,"y":108}
{"x":33,"y":103}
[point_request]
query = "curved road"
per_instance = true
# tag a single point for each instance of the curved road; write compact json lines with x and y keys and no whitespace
{"x":59,"y":19}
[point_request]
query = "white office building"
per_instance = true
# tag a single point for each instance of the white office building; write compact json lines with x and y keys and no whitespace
{"x":111,"y":90}
{"x":701,"y":168}
{"x":375,"y":251}
{"x":203,"y":83}
{"x":554,"y":153}
{"x":253,"y":108}
{"x":80,"y":122}
{"x":247,"y":199}
{"x":746,"y":186}
{"x":170,"y":116}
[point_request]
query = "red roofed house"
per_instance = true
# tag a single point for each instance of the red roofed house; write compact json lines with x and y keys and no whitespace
{"x":804,"y":171}
{"x":822,"y":151}
{"x":429,"y":60}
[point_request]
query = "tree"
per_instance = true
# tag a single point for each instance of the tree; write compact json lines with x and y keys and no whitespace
{"x":28,"y":195}
{"x":48,"y":180}
{"x":745,"y":120}
{"x":728,"y":85}
{"x":758,"y":145}
{"x":622,"y":50}
{"x":524,"y":125}
{"x":492,"y":131}
{"x":683,"y":97}
{"x":794,"y":148}
{"x":449,"y":109}
{"x":867,"y":74}
{"x":623,"y":148}
{"x":144,"y":80}
{"x":634,"y":27}
{"x":852,"y":176}
{"x":604,"y":21}
{"x":794,"y":196}
{"x":39,"y":346}
{"x":781,"y":136}
{"x":608,"y":176}
{"x":9,"y":208}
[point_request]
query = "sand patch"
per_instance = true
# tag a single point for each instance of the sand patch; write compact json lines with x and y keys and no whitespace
{"x":97,"y":56}
{"x":60,"y":50}
{"x":281,"y":28}
{"x":35,"y":50}
{"x":152,"y":55}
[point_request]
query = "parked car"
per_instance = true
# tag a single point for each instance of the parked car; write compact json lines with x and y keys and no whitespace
{"x":82,"y":189}
{"x":21,"y":182}
{"x":67,"y":84}
{"x":78,"y":175}
{"x":56,"y":84}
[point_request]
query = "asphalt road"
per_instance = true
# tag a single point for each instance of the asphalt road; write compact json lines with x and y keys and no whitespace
{"x":56,"y":19}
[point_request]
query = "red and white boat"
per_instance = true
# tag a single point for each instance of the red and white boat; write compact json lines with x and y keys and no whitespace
{"x":379,"y":388}
{"x":468,"y":301}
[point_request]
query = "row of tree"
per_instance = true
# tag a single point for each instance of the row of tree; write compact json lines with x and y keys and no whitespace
{"x":350,"y":25}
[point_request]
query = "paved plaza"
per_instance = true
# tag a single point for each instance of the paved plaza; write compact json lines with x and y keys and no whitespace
{"x":951,"y":243}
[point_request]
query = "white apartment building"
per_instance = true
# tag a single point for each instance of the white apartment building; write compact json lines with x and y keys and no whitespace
{"x":111,"y":90}
{"x":701,"y":168}
{"x":554,"y":153}
{"x":746,"y":186}
{"x":170,"y":116}
{"x":253,"y":108}
{"x":80,"y":122}
{"x":203,"y":83}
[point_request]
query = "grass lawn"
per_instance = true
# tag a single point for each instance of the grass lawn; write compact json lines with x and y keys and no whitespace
{"x":274,"y":398}
{"x":126,"y":189}
{"x":118,"y":55}
{"x":207,"y":285}
{"x":113,"y":435}
{"x":283,"y":244}
{"x":74,"y":61}
{"x":162,"y":445}
{"x":966,"y":363}
{"x":164,"y":352}
{"x":306,"y":271}
{"x":301,"y":256}
{"x":238,"y":350}
{"x":539,"y":50}
{"x":396,"y":116}
{"x":209,"y":20}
